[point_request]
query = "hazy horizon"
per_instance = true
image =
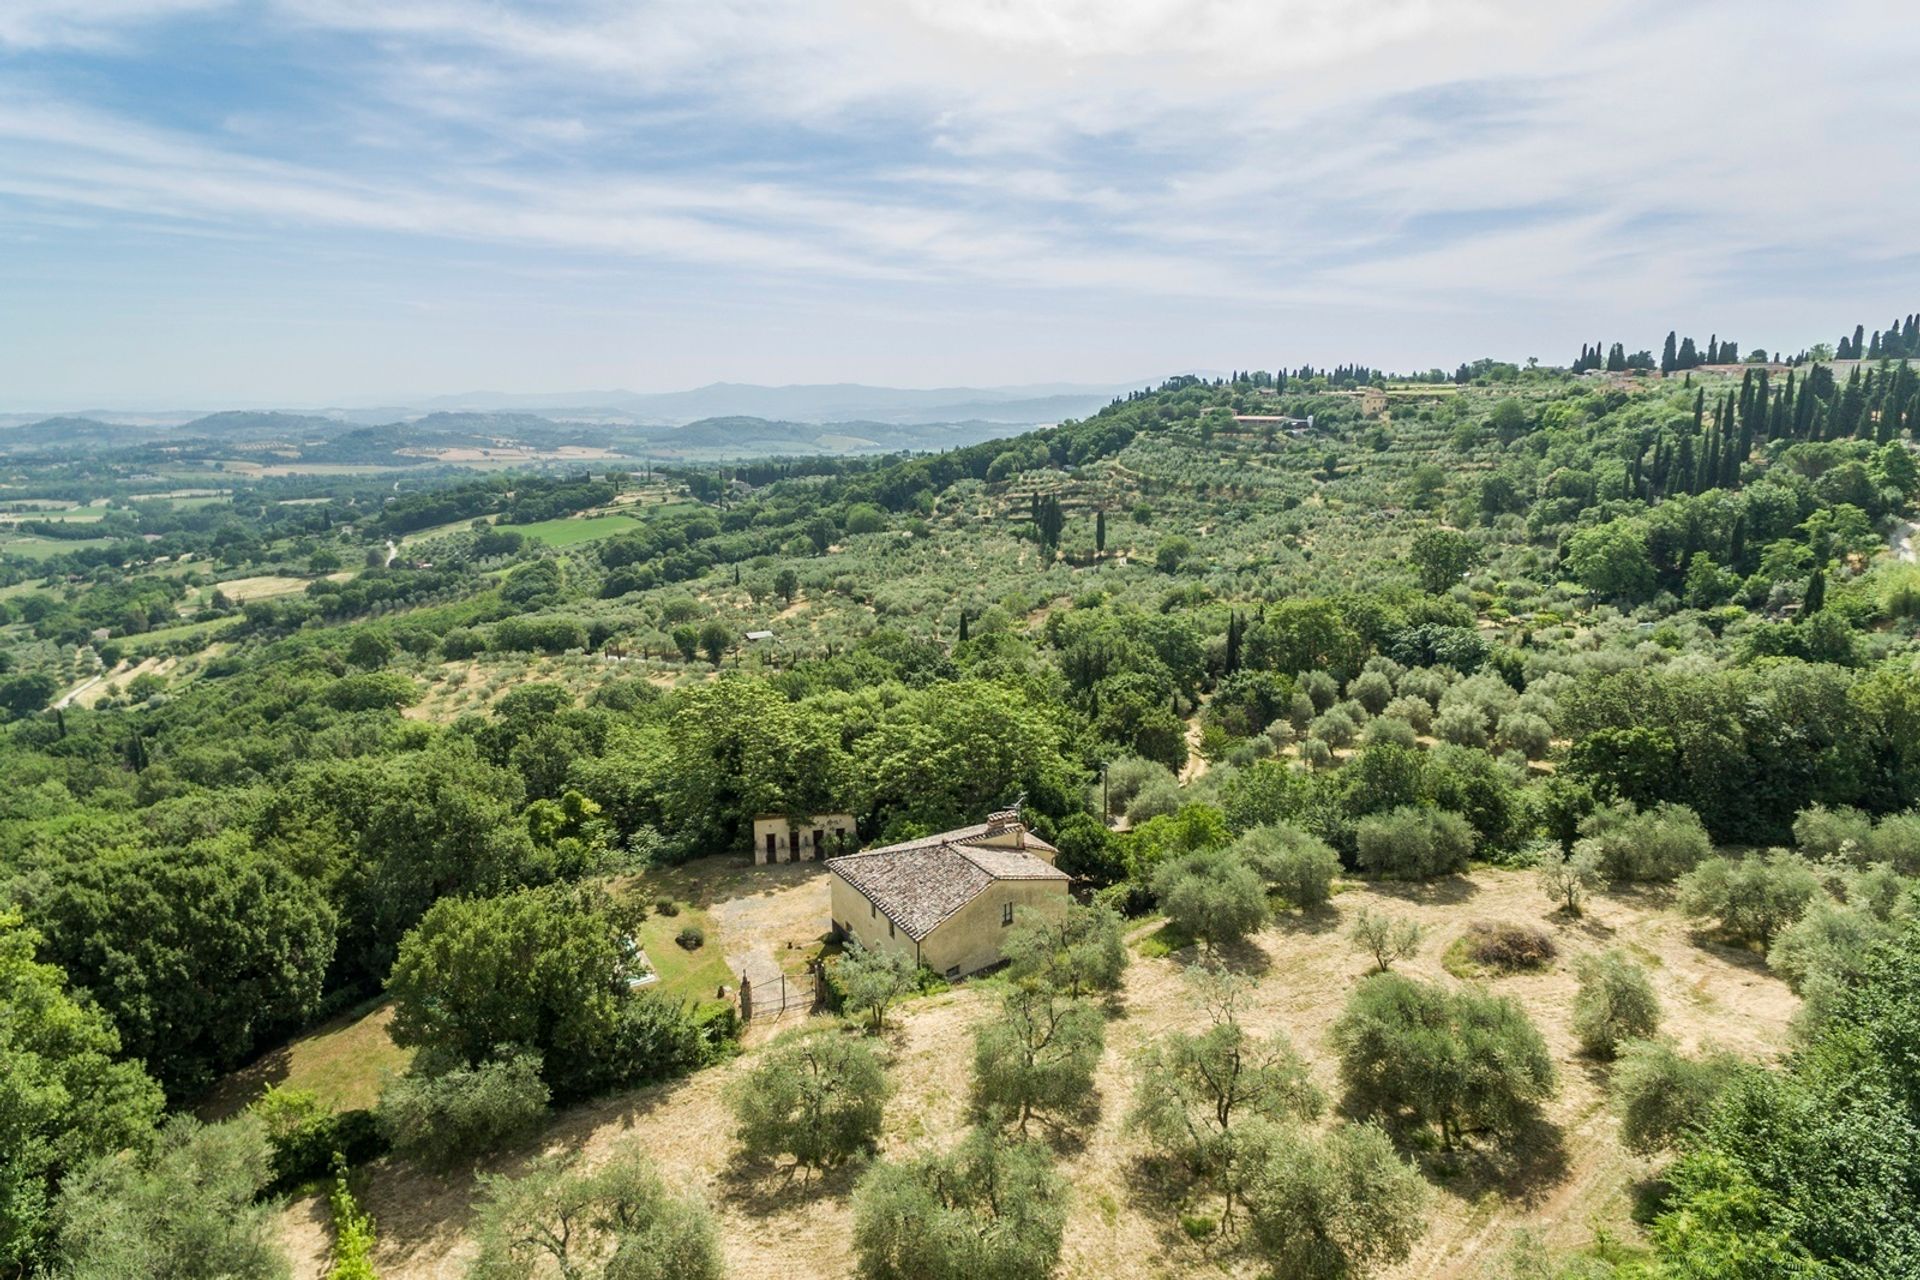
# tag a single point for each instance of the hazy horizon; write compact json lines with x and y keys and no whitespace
{"x":281,"y":203}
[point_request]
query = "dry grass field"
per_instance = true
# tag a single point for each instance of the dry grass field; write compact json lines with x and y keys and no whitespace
{"x":1566,"y":1179}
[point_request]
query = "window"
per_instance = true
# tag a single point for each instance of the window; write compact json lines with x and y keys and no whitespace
{"x":1006,"y":914}
{"x":889,"y":928}
{"x":873,"y":912}
{"x":953,"y":971}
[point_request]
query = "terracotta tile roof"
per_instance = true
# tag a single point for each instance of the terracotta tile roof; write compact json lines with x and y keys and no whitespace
{"x":960,"y":835}
{"x":920,"y":883}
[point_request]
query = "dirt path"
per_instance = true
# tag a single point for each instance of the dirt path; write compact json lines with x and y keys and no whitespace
{"x":1566,"y":1178}
{"x":1196,"y":764}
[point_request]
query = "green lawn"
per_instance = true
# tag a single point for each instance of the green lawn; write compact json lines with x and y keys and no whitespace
{"x":573,"y":531}
{"x":343,"y":1061}
{"x":684,"y":974}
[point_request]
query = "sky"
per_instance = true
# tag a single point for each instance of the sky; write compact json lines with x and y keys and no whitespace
{"x":244,"y":203}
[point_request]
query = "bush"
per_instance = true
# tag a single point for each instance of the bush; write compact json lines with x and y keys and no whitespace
{"x":443,"y":1119}
{"x":1385,"y":938}
{"x":1413,"y":842}
{"x":1753,"y":898}
{"x":1507,"y":946}
{"x":1895,"y":840}
{"x":1037,"y":1058}
{"x":991,"y":1208}
{"x":619,"y":1220}
{"x":1615,"y":1002}
{"x":353,"y":1234}
{"x":1299,"y":866}
{"x":691,"y":937}
{"x":1211,"y":895}
{"x":1662,"y":1097}
{"x":1459,"y":1060}
{"x":666,"y":907}
{"x":1333,"y":1207}
{"x":818,"y":1096}
{"x":1660,"y":843}
{"x":306,"y":1134}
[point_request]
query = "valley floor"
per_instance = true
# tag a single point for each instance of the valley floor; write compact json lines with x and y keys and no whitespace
{"x":1567,"y":1179}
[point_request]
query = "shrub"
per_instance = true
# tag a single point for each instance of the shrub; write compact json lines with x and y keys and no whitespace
{"x":1895,"y":840}
{"x":1753,"y":898}
{"x":1568,"y":880}
{"x":353,"y":1232}
{"x":1299,"y":866}
{"x":1211,"y":895}
{"x":993,"y":1207}
{"x":1662,"y":1097}
{"x":1659,"y":843}
{"x":1333,"y":1207}
{"x":1615,"y":1002}
{"x":1037,"y":1058}
{"x":666,"y":907}
{"x":1459,"y":1060}
{"x":691,"y":937}
{"x":306,"y":1134}
{"x":1413,"y":842}
{"x":1385,"y":938}
{"x":1507,"y":946}
{"x":817,"y":1096}
{"x":618,"y":1220}
{"x":445,"y":1118}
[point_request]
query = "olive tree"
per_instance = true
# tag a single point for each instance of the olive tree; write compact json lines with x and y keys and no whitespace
{"x":993,"y":1207}
{"x":1386,"y":938}
{"x":1037,"y":1057}
{"x":615,"y":1222}
{"x":1615,"y":1002}
{"x":1464,"y":1061}
{"x":1076,"y":948}
{"x":1569,"y":880}
{"x":871,"y":979}
{"x":1751,"y":899}
{"x":1192,"y":1089}
{"x":1662,"y":1096}
{"x":446,"y":1116}
{"x":1211,"y":895}
{"x":815,"y":1095}
{"x":1298,"y":866}
{"x":1413,"y":842}
{"x":1659,"y":843}
{"x":1337,"y":1207}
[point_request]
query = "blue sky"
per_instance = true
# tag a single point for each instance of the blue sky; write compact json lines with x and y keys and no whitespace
{"x":214,"y":203}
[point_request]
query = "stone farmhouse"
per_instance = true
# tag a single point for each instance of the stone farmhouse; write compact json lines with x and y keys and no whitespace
{"x":946,"y":899}
{"x":780,"y":838}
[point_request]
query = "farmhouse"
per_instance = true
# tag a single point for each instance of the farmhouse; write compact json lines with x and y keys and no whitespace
{"x":945,"y":899}
{"x":778,"y":837}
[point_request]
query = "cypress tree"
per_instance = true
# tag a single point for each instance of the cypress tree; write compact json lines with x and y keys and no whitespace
{"x":963,"y":626}
{"x":1859,"y":335}
{"x":1816,"y":597}
{"x":1100,"y":532}
{"x":1699,"y":407}
{"x":1689,"y":354}
{"x":1669,"y":354}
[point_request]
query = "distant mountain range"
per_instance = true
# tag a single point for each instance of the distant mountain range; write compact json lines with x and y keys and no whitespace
{"x":725,"y":420}
{"x":823,"y":403}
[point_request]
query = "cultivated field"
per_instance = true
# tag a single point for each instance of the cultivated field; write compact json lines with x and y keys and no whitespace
{"x":1566,"y":1179}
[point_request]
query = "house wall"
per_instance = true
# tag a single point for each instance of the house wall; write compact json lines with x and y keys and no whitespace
{"x":794,"y":842}
{"x":969,"y":939}
{"x":854,"y":914}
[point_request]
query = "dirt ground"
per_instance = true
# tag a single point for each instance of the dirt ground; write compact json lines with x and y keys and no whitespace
{"x":1565,"y":1179}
